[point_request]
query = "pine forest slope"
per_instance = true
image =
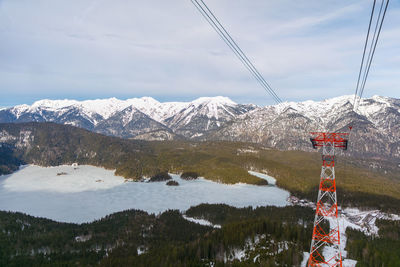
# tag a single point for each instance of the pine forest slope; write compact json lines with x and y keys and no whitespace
{"x":265,"y":236}
{"x":135,"y":238}
{"x":48,"y":144}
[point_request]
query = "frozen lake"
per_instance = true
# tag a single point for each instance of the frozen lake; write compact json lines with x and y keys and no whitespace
{"x":89,"y":193}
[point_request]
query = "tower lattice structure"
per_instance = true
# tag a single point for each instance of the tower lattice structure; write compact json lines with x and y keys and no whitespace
{"x":326,"y":234}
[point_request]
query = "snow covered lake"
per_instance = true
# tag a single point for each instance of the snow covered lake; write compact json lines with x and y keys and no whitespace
{"x":88,"y":193}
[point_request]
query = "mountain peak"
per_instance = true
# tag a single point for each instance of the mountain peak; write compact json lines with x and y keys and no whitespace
{"x":54,"y":104}
{"x":143,"y":100}
{"x":221,"y":100}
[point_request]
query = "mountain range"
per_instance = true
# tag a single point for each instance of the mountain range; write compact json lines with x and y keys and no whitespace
{"x":375,"y":124}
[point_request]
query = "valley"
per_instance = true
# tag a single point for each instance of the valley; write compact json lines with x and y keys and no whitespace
{"x":110,"y":186}
{"x":48,"y":144}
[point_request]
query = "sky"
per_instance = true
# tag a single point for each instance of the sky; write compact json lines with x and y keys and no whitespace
{"x":90,"y":49}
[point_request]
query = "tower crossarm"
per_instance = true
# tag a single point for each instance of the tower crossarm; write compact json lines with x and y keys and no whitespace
{"x":338,"y":140}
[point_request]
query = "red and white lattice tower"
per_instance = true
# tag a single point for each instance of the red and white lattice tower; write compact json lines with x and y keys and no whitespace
{"x":326,"y":235}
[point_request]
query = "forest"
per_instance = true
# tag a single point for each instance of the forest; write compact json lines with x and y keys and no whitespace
{"x":267,"y":235}
{"x":263,"y":236}
{"x":374,"y":251}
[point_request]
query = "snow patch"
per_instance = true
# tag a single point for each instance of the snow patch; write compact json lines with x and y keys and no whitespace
{"x":83,"y":238}
{"x":61,"y":179}
{"x":247,"y":151}
{"x":261,"y":243}
{"x":197,"y":135}
{"x":141,"y":250}
{"x":306,"y":255}
{"x":201,"y":221}
{"x":271,"y":180}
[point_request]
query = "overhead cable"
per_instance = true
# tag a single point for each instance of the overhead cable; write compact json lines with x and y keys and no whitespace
{"x":226,"y":37}
{"x":365,"y":48}
{"x":366,"y":68}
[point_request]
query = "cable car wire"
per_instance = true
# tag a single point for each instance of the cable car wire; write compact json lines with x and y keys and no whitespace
{"x":373,"y":50}
{"x":365,"y":48}
{"x":227,"y":38}
{"x":371,"y":53}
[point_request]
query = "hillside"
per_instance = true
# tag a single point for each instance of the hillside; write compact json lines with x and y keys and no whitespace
{"x":47,"y":144}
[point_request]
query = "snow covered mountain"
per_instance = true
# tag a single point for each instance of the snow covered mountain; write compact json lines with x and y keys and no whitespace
{"x":205,"y":114}
{"x":133,"y":118}
{"x":376,"y":124}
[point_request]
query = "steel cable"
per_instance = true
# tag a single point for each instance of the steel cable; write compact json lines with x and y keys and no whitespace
{"x":226,"y":37}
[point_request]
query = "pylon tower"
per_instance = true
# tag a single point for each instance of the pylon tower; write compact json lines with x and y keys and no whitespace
{"x":326,"y":235}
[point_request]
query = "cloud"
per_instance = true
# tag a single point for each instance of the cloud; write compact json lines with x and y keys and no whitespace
{"x":165,"y":49}
{"x":307,"y":22}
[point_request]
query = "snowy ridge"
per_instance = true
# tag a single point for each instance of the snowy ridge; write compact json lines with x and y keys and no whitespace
{"x":375,"y":125}
{"x":209,"y":106}
{"x":310,"y":107}
{"x":142,"y":117}
{"x":337,"y":105}
{"x":107,"y":107}
{"x":285,"y":126}
{"x":103,"y":107}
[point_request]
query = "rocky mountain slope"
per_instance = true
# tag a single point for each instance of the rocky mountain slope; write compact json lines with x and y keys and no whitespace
{"x":375,"y":131}
{"x":375,"y":125}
